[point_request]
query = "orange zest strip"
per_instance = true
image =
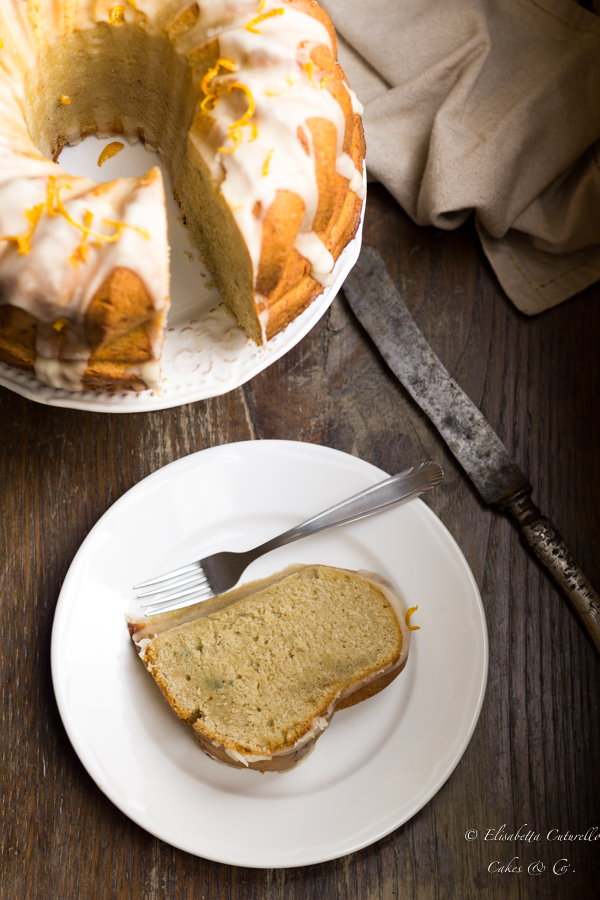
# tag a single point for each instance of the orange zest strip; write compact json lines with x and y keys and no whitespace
{"x":109,"y":151}
{"x":267,"y":162}
{"x":412,"y":610}
{"x":85,"y":228}
{"x":235,"y":129}
{"x":61,"y":209}
{"x":116,"y":15}
{"x":81,"y":252}
{"x":212,"y":73}
{"x":249,"y":112}
{"x":308,"y":68}
{"x":236,"y":136}
{"x":120,"y":226}
{"x":208,"y":103}
{"x":23,"y":241}
{"x":54,"y":205}
{"x":107,"y":238}
{"x":261,"y":18}
{"x":212,"y":95}
{"x":51,"y":195}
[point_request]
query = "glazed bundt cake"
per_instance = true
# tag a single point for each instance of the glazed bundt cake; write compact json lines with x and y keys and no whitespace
{"x":259,"y":672}
{"x":252,"y":115}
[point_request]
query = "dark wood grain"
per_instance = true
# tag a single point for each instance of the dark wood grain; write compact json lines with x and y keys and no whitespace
{"x":534,"y":756}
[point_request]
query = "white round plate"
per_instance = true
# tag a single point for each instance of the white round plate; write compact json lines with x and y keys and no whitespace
{"x":377,"y":764}
{"x":205,"y":352}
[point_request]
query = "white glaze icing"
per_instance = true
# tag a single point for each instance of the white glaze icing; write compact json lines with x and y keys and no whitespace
{"x":142,"y":644}
{"x":60,"y":373}
{"x":314,"y":250}
{"x":148,"y":372}
{"x":357,"y":106}
{"x":245,"y":758}
{"x":347,"y":169}
{"x":268,"y":45}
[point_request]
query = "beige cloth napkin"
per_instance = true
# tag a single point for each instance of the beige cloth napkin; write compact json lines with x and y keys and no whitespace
{"x":491,"y":106}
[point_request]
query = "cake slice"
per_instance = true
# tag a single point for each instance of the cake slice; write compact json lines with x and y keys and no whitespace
{"x":258,"y":672}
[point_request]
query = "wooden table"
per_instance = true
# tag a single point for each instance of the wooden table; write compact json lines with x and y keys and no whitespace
{"x":533,"y":760}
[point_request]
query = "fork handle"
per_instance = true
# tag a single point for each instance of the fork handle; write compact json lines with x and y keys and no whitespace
{"x":398,"y":489}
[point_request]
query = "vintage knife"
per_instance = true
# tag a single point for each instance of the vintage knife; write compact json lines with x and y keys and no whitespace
{"x":379,"y":307}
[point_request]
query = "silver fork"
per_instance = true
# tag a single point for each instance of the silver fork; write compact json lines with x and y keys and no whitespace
{"x":221,"y":571}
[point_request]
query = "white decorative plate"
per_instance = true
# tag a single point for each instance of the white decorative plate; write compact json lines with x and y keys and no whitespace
{"x":377,"y":764}
{"x":205,"y":352}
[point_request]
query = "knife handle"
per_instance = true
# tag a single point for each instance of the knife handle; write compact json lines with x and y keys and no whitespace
{"x":549,"y":547}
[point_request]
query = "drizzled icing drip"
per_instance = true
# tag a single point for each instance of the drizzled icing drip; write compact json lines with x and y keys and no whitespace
{"x":312,"y":247}
{"x":348,"y":170}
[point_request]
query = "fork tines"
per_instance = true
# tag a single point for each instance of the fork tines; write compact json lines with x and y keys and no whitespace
{"x":167,"y":588}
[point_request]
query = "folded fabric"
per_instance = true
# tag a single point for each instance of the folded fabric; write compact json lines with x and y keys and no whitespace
{"x":491,"y":107}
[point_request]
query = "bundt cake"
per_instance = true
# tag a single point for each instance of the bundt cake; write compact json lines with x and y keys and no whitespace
{"x":258,"y":672}
{"x":252,"y":115}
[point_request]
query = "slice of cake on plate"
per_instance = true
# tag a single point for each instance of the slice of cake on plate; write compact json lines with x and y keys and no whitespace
{"x":259,"y":672}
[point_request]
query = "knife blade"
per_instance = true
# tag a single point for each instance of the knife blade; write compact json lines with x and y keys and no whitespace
{"x":380,"y":309}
